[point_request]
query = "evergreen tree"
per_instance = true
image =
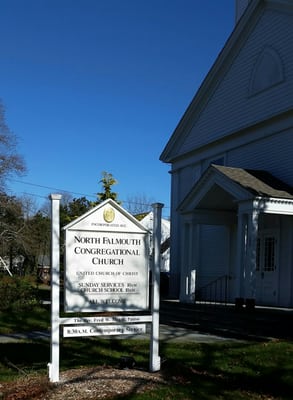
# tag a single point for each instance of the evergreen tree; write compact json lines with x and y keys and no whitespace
{"x":107,"y":182}
{"x":74,"y":209}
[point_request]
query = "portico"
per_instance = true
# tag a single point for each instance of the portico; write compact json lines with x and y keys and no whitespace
{"x":253,"y":216}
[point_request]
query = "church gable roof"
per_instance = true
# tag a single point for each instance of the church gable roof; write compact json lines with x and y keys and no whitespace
{"x":235,"y":93}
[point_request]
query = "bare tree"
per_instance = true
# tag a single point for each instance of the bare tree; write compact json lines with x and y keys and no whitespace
{"x":11,"y":226}
{"x":29,"y":206}
{"x":139,"y":204}
{"x":10,"y":161}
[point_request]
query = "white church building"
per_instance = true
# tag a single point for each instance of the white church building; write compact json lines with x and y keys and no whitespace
{"x":231,"y":158}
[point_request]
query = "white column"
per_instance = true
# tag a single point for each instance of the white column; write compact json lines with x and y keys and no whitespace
{"x":155,"y":360}
{"x":175,"y":234}
{"x":187,"y":265}
{"x":190,"y":262}
{"x":55,"y":287}
{"x":186,"y":262}
{"x":251,"y":254}
{"x":240,"y":254}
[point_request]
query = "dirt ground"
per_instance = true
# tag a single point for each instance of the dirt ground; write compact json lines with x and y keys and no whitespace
{"x":82,"y":384}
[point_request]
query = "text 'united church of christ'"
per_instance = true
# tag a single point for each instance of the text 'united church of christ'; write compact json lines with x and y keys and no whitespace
{"x":106,"y":269}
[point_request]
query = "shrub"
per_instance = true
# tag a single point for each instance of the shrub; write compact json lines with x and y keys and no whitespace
{"x":17,"y":293}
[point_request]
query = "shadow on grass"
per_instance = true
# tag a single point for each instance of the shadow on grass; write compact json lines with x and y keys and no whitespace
{"x":190,"y":370}
{"x":250,"y":371}
{"x":17,"y":359}
{"x":34,"y":318}
{"x":28,"y":356}
{"x":229,"y":371}
{"x":92,"y":352}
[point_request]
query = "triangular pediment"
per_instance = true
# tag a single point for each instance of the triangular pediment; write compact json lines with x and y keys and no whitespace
{"x":249,"y":70}
{"x":214,"y":190}
{"x":107,"y":216}
{"x":223,"y":188}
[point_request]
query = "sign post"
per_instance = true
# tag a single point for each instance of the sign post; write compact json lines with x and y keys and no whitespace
{"x":55,"y":287}
{"x":155,"y":360}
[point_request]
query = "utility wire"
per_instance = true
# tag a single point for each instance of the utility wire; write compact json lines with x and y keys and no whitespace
{"x":50,"y":188}
{"x":68,"y":191}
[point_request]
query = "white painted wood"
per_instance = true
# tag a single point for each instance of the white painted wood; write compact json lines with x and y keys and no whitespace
{"x":242,"y":112}
{"x":55,"y":288}
{"x":155,"y":360}
{"x":106,"y":319}
{"x":103,"y":330}
{"x":230,"y":107}
{"x":107,"y":259}
{"x":214,"y":258}
{"x":5,"y":266}
{"x":240,"y":6}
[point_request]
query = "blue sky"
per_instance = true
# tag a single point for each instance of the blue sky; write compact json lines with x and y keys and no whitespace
{"x":100,"y":85}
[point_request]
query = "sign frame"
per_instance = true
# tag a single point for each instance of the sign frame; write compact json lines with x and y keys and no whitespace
{"x":124,"y":320}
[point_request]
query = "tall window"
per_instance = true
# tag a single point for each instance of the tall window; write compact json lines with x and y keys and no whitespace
{"x":266,"y":253}
{"x":269,"y":254}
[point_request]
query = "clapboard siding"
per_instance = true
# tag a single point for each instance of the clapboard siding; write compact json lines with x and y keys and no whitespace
{"x":247,"y":126}
{"x":273,"y":154}
{"x":214,"y":257}
{"x":231,"y":107}
{"x":183,"y":180}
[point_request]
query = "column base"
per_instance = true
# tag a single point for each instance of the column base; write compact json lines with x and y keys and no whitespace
{"x":239,"y":303}
{"x":250,"y":304}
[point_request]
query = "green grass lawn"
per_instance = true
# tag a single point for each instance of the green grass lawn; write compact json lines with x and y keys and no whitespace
{"x":214,"y":371}
{"x":195,"y":371}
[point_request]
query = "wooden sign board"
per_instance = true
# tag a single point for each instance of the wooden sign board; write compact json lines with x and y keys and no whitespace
{"x":106,"y":262}
{"x":121,"y":319}
{"x":103,"y":330}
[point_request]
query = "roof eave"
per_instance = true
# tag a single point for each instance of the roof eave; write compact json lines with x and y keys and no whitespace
{"x":211,"y":79}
